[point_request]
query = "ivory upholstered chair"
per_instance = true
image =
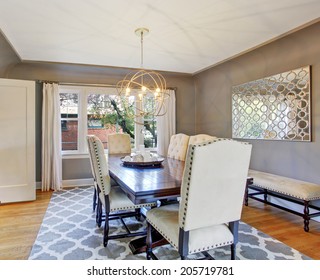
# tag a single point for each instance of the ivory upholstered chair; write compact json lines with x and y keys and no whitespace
{"x":212,"y":192}
{"x":111,"y":199}
{"x":95,"y":191}
{"x":119,"y":143}
{"x":200,"y":138}
{"x":178,"y":146}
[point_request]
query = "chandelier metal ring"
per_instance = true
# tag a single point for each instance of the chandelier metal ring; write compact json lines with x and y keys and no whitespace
{"x":145,"y":90}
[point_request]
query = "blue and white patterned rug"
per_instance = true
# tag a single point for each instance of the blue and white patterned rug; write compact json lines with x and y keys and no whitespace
{"x":69,"y":232}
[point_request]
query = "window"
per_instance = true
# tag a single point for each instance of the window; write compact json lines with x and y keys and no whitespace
{"x":69,"y":120}
{"x":98,"y":111}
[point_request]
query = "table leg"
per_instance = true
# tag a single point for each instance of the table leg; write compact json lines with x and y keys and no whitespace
{"x":138,"y":245}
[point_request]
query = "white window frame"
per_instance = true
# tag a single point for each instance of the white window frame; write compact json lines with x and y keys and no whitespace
{"x":83,"y":92}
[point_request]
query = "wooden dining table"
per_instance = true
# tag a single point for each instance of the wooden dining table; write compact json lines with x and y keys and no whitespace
{"x":147,"y":183}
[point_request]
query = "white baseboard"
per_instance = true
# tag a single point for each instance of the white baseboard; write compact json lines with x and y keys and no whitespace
{"x":77,"y":183}
{"x":38,"y":185}
{"x":72,"y":183}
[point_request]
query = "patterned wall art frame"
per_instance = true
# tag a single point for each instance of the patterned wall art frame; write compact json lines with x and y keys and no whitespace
{"x":273,"y":108}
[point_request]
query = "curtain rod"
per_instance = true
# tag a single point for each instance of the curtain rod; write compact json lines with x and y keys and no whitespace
{"x":86,"y":85}
{"x":76,"y":84}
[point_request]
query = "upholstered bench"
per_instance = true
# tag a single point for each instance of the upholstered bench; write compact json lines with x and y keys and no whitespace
{"x":295,"y":191}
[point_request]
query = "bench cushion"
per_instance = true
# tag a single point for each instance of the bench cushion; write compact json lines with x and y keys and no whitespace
{"x":292,"y":187}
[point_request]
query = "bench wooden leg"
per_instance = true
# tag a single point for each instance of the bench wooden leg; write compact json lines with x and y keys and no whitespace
{"x":246,"y":192}
{"x":265,"y":195}
{"x":246,"y":195}
{"x":306,"y":216}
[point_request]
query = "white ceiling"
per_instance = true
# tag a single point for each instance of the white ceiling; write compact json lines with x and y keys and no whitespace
{"x":185,"y":35}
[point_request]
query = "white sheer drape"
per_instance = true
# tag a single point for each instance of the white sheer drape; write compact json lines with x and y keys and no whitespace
{"x":51,"y":139}
{"x":166,"y":125}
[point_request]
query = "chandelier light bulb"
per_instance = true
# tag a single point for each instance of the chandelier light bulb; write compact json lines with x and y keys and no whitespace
{"x":128,"y":91}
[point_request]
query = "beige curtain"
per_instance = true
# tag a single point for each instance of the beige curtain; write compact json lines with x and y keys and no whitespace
{"x":51,"y":139}
{"x":166,"y":125}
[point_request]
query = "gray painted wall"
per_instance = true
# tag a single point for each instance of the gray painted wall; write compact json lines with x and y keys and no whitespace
{"x":8,"y":57}
{"x":300,"y":160}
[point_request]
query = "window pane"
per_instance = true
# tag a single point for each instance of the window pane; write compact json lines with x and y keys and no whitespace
{"x":105,"y":115}
{"x":150,"y":125}
{"x":150,"y":133}
{"x":69,"y":135}
{"x":69,"y":121}
{"x":69,"y":105}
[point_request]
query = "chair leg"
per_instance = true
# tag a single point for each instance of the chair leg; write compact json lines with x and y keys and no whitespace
{"x":99,"y":213}
{"x":138,"y":214}
{"x":234,"y":228}
{"x":149,"y":242}
{"x":94,"y":204}
{"x":106,"y":230}
{"x":233,"y":251}
{"x":306,"y":216}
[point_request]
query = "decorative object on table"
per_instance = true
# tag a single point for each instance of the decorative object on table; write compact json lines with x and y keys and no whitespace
{"x":143,"y":90}
{"x":273,"y":108}
{"x":138,"y":160}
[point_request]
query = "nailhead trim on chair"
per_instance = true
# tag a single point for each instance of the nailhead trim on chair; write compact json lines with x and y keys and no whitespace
{"x":210,"y":247}
{"x":190,"y":251}
{"x":99,"y":167}
{"x":135,"y":206}
{"x":192,"y":146}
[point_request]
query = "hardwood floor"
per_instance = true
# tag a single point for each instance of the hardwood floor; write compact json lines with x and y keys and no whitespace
{"x":20,"y":222}
{"x":284,"y":226}
{"x":19,"y":226}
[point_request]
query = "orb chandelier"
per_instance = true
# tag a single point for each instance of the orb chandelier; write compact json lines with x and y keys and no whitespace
{"x":143,"y":92}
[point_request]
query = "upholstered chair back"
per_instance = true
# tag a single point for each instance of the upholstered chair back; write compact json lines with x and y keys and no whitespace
{"x":119,"y":143}
{"x":200,"y":138}
{"x":178,"y":146}
{"x":91,"y":154}
{"x":213,"y":183}
{"x":99,"y":164}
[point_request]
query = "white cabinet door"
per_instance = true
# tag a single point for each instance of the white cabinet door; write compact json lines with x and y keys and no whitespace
{"x":17,"y":141}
